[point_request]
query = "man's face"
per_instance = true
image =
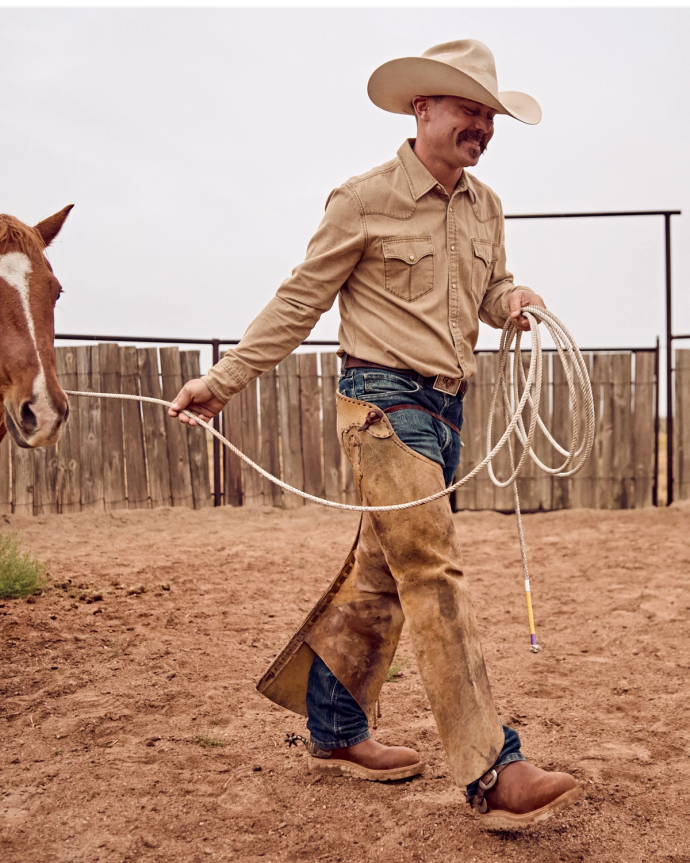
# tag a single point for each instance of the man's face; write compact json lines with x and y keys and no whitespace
{"x":458,"y":130}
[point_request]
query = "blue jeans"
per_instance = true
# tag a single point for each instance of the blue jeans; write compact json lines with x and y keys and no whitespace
{"x":336,"y":721}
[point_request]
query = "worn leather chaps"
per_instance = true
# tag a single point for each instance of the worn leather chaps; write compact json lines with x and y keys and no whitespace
{"x":404,"y":566}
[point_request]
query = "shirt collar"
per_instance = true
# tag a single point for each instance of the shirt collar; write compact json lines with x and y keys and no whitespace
{"x":419,"y":178}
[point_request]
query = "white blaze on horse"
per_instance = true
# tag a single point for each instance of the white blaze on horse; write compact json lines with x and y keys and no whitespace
{"x":35,"y":406}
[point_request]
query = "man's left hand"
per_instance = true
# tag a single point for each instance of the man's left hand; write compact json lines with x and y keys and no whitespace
{"x":517,"y":301}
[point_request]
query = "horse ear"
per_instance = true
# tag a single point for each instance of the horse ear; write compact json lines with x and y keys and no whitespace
{"x":49,"y":228}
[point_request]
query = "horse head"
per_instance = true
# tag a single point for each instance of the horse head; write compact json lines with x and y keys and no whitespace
{"x":35,"y":406}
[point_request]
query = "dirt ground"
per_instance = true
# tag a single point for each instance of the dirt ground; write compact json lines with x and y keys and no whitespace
{"x":131,"y":729}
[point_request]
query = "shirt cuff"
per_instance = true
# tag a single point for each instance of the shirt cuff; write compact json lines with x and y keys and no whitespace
{"x":223,"y":381}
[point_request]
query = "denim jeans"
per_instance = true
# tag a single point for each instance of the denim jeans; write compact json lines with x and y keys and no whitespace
{"x":336,"y":721}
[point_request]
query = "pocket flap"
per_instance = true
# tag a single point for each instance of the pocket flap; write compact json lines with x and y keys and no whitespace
{"x":485,"y":250}
{"x":408,"y":249}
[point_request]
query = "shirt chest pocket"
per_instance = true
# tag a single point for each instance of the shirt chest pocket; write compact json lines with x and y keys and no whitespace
{"x":408,"y":266}
{"x":484,"y":257}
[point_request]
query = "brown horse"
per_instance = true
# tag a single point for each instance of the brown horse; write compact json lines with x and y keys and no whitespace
{"x":35,"y":407}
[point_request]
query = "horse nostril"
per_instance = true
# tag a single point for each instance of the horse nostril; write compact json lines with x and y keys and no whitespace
{"x":28,"y":418}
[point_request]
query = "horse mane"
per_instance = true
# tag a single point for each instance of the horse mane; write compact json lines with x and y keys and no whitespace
{"x":16,"y":236}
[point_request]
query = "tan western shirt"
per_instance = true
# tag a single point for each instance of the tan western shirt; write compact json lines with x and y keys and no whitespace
{"x":412,"y":269}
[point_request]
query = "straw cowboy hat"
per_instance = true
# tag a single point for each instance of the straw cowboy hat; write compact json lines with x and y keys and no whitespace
{"x":463,"y":68}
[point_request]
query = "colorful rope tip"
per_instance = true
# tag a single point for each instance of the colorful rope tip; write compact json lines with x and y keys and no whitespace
{"x":534,"y":647}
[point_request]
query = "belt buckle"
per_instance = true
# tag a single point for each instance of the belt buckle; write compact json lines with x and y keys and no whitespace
{"x":451,"y":386}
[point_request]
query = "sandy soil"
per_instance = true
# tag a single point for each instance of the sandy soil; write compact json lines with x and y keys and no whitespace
{"x":109,"y":706}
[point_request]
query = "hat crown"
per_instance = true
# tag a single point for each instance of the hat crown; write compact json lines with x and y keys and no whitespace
{"x":469,"y":56}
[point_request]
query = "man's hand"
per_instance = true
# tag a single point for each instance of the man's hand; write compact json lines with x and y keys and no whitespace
{"x":196,"y":397}
{"x":517,"y":301}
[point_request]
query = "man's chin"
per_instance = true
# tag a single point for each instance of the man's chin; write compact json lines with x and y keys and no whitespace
{"x":468,"y":156}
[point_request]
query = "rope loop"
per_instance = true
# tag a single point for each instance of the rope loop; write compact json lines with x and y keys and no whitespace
{"x":526,"y":391}
{"x":517,"y":392}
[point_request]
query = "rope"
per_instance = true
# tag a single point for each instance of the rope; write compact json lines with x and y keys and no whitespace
{"x":526,"y":391}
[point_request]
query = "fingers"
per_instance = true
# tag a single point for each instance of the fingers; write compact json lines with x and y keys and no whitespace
{"x":517,"y":301}
{"x":180,"y":402}
{"x":197,"y":398}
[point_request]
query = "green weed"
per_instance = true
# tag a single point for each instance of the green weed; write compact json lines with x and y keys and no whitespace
{"x":207,"y":741}
{"x":395,"y":671}
{"x":20,"y":574}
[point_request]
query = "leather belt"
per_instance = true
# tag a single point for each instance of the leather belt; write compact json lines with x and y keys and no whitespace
{"x":441,"y":383}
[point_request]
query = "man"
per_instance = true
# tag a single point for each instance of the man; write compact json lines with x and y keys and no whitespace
{"x":414,"y":251}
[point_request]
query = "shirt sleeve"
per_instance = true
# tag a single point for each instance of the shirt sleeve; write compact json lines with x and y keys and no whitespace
{"x":494,"y":308}
{"x":289,"y":317}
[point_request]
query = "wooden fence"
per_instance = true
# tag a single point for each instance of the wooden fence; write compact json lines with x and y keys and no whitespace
{"x":117,"y":454}
{"x":112,"y":454}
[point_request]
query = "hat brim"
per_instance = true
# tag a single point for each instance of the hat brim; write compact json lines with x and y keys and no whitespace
{"x":394,"y":85}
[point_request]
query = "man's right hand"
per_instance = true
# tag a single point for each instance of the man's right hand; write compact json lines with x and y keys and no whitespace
{"x":196,"y":397}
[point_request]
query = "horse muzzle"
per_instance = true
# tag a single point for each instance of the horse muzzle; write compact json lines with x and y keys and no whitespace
{"x":35,"y":424}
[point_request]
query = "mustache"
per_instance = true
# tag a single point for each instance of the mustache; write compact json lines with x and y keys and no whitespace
{"x":475,"y":136}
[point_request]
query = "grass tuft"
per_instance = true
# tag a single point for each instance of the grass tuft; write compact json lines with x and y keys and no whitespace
{"x":395,"y":671}
{"x":207,"y":741}
{"x":20,"y":573}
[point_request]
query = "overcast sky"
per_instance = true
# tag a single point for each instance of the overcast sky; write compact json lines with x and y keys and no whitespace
{"x":199,"y":147}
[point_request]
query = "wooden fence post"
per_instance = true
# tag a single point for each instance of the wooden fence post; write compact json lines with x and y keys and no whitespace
{"x":232,"y":464}
{"x":197,"y":439}
{"x":155,"y":436}
{"x":310,"y":410}
{"x":603,"y":441}
{"x":270,"y":440}
{"x":504,"y":500}
{"x":681,"y":421}
{"x":484,"y":488}
{"x":68,"y":451}
{"x":543,"y":486}
{"x":332,"y":455}
{"x":114,"y":490}
{"x":623,"y":496}
{"x":584,"y":481}
{"x":23,"y":481}
{"x":5,"y":476}
{"x":135,"y":456}
{"x":643,"y":428}
{"x":290,"y":429}
{"x":527,"y":479}
{"x":252,"y":482}
{"x":90,"y":429}
{"x":45,"y":461}
{"x":175,"y":432}
{"x":561,"y":423}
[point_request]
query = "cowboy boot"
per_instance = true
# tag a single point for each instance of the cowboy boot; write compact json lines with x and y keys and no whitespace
{"x":519,"y":794}
{"x":367,"y":760}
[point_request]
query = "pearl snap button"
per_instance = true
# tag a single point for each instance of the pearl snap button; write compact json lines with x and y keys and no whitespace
{"x":412,"y":257}
{"x":452,"y":248}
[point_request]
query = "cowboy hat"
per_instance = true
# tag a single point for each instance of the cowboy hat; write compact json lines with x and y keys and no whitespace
{"x":464,"y":68}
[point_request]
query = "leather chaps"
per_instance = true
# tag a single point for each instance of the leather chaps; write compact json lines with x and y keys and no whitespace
{"x":404,"y":566}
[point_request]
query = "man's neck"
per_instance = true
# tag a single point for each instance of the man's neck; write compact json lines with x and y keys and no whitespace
{"x":446,"y":175}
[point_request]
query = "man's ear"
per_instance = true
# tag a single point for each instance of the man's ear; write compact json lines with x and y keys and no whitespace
{"x":49,"y":228}
{"x":420,"y":106}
